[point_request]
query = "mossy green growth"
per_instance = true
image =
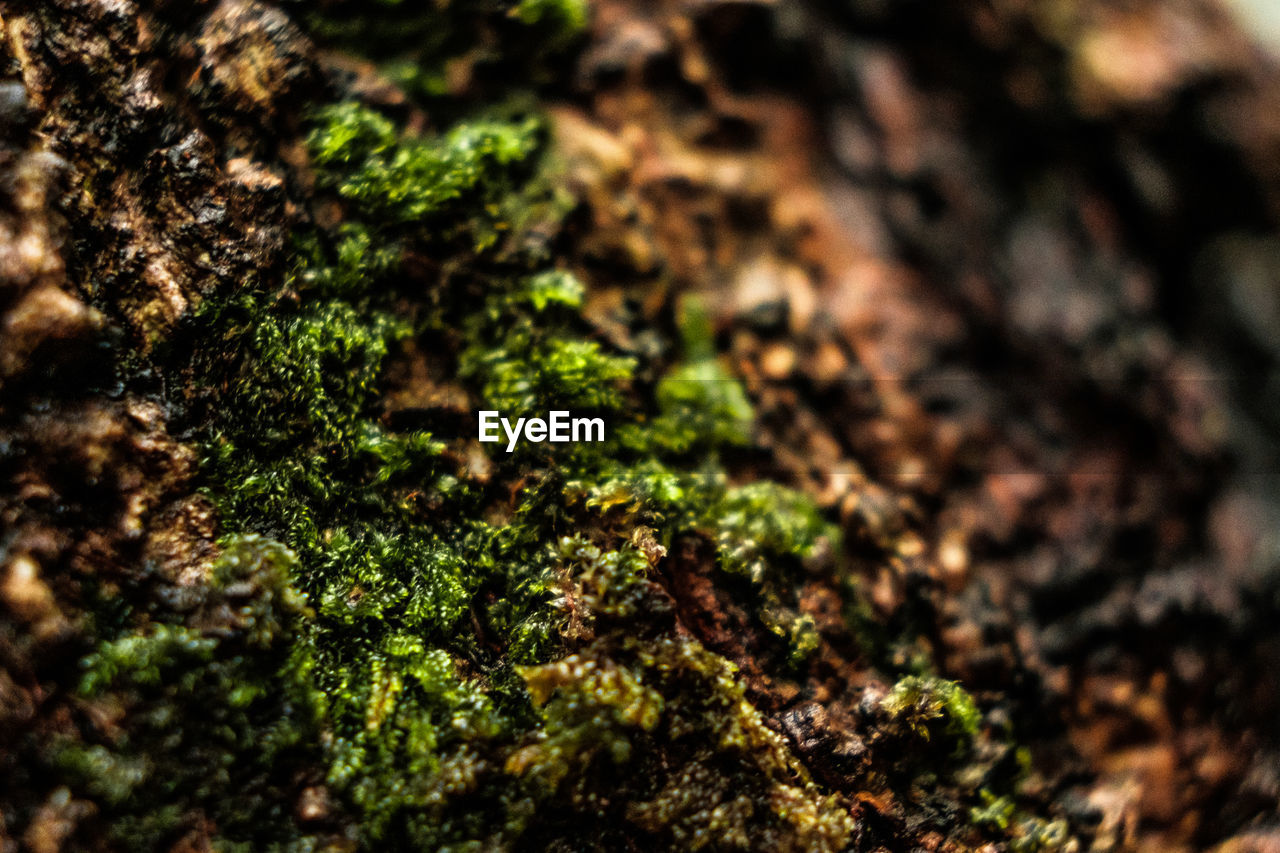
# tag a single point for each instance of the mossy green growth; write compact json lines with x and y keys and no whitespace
{"x":402,"y":708}
{"x":936,"y":727}
{"x":666,"y":470}
{"x":568,"y":16}
{"x":1026,"y":833}
{"x":443,"y":187}
{"x":934,"y":709}
{"x":418,"y":41}
{"x":994,"y":812}
{"x":412,"y":180}
{"x":759,"y":521}
{"x":487,"y":661}
{"x":657,"y":732}
{"x":528,"y":370}
{"x":1037,"y":835}
{"x":216,"y":716}
{"x":433,"y":623}
{"x":763,"y":532}
{"x":392,"y":546}
{"x":649,"y":731}
{"x":702,"y":408}
{"x":553,"y":287}
{"x":490,"y":663}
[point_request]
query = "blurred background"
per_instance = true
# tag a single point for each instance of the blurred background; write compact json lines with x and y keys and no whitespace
{"x":1261,"y":19}
{"x":1019,"y":264}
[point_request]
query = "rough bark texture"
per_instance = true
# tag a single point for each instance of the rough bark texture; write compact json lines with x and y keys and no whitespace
{"x":997,"y":279}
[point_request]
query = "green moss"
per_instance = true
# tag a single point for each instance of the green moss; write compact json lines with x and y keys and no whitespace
{"x":215,"y":718}
{"x":994,"y":812}
{"x":1026,"y":833}
{"x":648,"y":726}
{"x":472,"y":653}
{"x":396,"y":716}
{"x":702,"y":408}
{"x":412,"y":588}
{"x":568,"y":17}
{"x":419,"y":40}
{"x":525,"y":371}
{"x":553,"y":287}
{"x":1036,"y":835}
{"x":443,"y":188}
{"x":660,"y":732}
{"x":349,"y":134}
{"x":489,"y":663}
{"x":760,"y":522}
{"x":934,"y":709}
{"x":417,"y":179}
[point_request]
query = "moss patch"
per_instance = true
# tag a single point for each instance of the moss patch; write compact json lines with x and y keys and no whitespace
{"x":487,"y":660}
{"x":215,"y":715}
{"x":451,"y":713}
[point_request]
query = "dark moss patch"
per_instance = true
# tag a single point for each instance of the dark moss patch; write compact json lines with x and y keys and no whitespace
{"x":429,"y":48}
{"x":211,"y":717}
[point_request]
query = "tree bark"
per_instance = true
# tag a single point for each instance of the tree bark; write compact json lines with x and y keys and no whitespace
{"x":997,"y":280}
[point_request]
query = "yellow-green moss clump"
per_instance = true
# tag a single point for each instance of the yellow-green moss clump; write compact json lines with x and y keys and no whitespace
{"x":450,"y":714}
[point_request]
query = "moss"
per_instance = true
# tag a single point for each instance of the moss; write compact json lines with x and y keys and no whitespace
{"x":471,"y":654}
{"x":568,"y":17}
{"x":763,"y":520}
{"x":646,"y":725}
{"x":488,"y":662}
{"x":395,"y":555}
{"x":525,"y":371}
{"x":702,"y":408}
{"x":994,"y":812}
{"x":443,"y":188}
{"x":1037,"y":835}
{"x":419,"y":41}
{"x":553,"y":287}
{"x":935,"y":710}
{"x":215,"y":717}
{"x":1026,"y":833}
{"x":395,"y":716}
{"x":933,"y":729}
{"x":660,"y":732}
{"x":399,"y":181}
